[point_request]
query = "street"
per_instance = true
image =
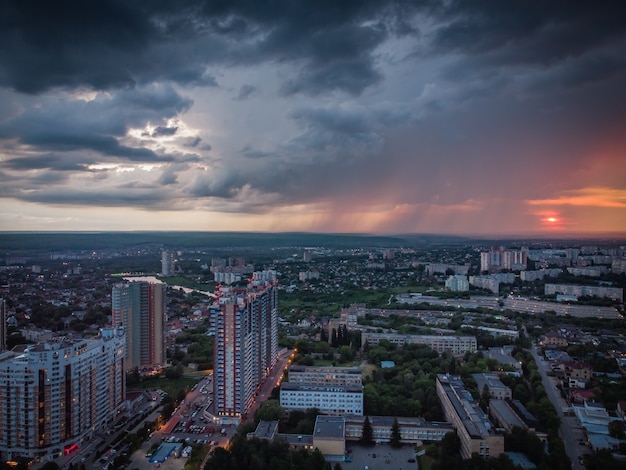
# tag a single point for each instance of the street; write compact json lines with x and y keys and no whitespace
{"x":570,"y":429}
{"x":283,"y":361}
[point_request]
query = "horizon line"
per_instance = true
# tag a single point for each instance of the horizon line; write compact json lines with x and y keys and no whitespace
{"x":530,"y":235}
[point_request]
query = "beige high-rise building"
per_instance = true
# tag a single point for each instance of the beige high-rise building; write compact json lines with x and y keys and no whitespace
{"x":140,"y":308}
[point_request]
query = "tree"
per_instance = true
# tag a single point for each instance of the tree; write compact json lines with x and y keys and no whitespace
{"x":166,"y":412}
{"x":269,"y":411}
{"x":346,"y":354}
{"x":616,"y":430}
{"x":484,"y":398}
{"x":367,"y":437}
{"x":174,"y":373}
{"x":396,"y":438}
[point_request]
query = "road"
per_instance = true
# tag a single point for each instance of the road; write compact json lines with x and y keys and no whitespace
{"x":570,"y":430}
{"x":283,"y":361}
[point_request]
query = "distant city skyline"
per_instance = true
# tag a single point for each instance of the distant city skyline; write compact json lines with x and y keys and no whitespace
{"x":454,"y":117}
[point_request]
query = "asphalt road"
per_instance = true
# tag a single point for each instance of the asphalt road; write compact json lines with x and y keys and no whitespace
{"x":570,"y":430}
{"x":284,"y":359}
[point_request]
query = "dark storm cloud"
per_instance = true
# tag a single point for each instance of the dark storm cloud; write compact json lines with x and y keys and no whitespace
{"x":245,"y":92}
{"x":519,"y":33}
{"x":249,"y":152}
{"x":115,"y":43}
{"x":120,"y":197}
{"x":226,"y":187}
{"x":69,"y":43}
{"x":102,"y":144}
{"x":48,"y":161}
{"x":106,"y":114}
{"x":168,"y":177}
{"x":335,"y":133}
{"x":161,"y":131}
{"x":111,"y":44}
{"x":97,"y":125}
{"x":193,"y":142}
{"x":340,"y":58}
{"x":349,"y":75}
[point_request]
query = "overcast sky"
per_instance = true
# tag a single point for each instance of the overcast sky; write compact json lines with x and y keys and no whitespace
{"x":466,"y":117}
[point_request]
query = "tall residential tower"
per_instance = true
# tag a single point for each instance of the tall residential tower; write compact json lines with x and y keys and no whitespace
{"x":3,"y":324}
{"x":168,"y":263}
{"x":245,"y":346}
{"x":140,"y":308}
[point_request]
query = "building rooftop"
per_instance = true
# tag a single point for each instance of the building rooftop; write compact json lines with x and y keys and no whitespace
{"x":329,"y":427}
{"x":339,"y":370}
{"x":298,"y":439}
{"x":503,"y":355}
{"x":528,"y":418}
{"x":320,"y":388}
{"x":387,"y":421}
{"x":473,"y":418}
{"x":502,"y":408}
{"x":266,"y":430}
{"x":492,"y":382}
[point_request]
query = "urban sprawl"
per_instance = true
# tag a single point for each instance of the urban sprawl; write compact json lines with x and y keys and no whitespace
{"x":365,"y":357}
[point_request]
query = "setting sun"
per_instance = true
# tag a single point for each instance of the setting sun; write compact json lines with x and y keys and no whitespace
{"x":551,"y":219}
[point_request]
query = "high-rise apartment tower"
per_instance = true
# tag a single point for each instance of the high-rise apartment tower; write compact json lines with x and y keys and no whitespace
{"x":168,"y":263}
{"x":140,"y":308}
{"x":3,"y":324}
{"x":245,"y":346}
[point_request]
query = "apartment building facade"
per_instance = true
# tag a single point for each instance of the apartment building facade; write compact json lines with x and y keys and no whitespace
{"x":55,"y":394}
{"x":333,"y":399}
{"x":139,"y":307}
{"x":245,"y":346}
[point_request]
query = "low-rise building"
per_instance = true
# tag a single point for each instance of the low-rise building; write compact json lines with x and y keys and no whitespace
{"x":503,"y":355}
{"x":329,"y":436}
{"x":574,"y":369}
{"x":456,"y":345}
{"x":327,"y":376}
{"x":508,"y":414}
{"x":475,"y":432}
{"x":457,"y":283}
{"x":554,"y":338}
{"x":595,"y":419}
{"x":495,"y":386}
{"x":412,"y":430}
{"x":335,"y":399}
{"x":614,"y":293}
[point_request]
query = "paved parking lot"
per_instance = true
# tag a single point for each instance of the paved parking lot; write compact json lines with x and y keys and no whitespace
{"x":380,"y":457}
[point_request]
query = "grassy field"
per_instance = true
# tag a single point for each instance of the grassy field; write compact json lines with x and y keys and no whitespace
{"x":425,"y":462}
{"x":186,"y":282}
{"x":329,"y":362}
{"x":368,"y":370}
{"x":169,"y":386}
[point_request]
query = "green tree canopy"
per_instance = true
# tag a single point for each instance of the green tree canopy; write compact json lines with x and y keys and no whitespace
{"x":367,"y":436}
{"x":396,"y":438}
